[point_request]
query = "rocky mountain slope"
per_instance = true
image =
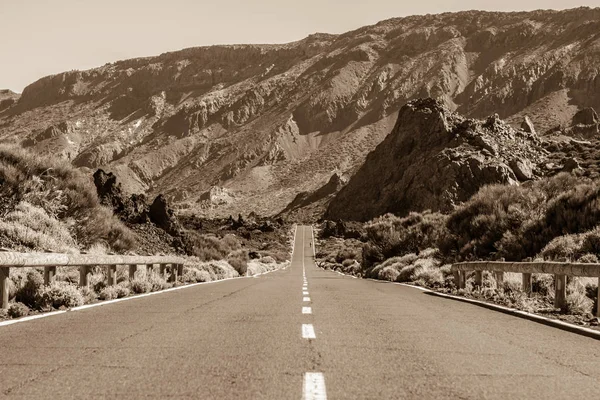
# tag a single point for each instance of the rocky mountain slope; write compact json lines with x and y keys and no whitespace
{"x":264,"y":122}
{"x":435,"y":159}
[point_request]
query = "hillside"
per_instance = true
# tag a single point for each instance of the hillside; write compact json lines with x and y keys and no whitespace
{"x":247,"y":120}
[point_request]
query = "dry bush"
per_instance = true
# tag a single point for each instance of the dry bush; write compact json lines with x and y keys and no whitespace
{"x":55,"y":200}
{"x":61,"y":294}
{"x":108,"y":293}
{"x":17,"y":310}
{"x":209,"y":247}
{"x":239,"y":261}
{"x":29,"y":288}
{"x":140,"y":285}
{"x":517,"y":222}
{"x":194,"y":275}
{"x":390,"y":236}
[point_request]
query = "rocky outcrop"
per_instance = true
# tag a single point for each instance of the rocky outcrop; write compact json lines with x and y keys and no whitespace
{"x":434,"y":159}
{"x":163,"y":216}
{"x":132,"y":208}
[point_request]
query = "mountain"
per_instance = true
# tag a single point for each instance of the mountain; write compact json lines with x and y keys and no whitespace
{"x":262,"y":123}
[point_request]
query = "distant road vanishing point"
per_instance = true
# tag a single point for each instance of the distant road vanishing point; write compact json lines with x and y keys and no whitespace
{"x":298,"y":333}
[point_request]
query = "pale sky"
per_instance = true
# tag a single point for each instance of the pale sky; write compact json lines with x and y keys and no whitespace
{"x":43,"y":37}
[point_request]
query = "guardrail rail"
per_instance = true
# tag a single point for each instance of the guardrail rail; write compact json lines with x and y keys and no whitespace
{"x":558,"y":269}
{"x":49,"y":261}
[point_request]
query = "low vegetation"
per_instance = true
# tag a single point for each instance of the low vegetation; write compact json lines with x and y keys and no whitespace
{"x":47,"y":205}
{"x":554,"y":219}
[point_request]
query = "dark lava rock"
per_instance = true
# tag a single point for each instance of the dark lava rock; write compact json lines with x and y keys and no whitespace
{"x":587,"y":116}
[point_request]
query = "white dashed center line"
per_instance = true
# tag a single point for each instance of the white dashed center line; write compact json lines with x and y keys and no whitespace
{"x":306,"y":298}
{"x":305,"y":293}
{"x":314,"y":386}
{"x":306,"y":310}
{"x":308,"y":331}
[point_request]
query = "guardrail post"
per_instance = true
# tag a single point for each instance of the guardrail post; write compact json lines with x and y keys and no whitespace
{"x":111,"y":275}
{"x":598,"y":300}
{"x":499,"y":275}
{"x":132,"y":269}
{"x":83,"y":275}
{"x":560,"y":290}
{"x":462,"y":280}
{"x":526,"y":285}
{"x":4,"y":273}
{"x":456,"y":278}
{"x":173,"y":274}
{"x":49,"y":273}
{"x":479,"y":278}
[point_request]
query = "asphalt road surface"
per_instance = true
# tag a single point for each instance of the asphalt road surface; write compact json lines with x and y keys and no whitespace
{"x":273,"y":337}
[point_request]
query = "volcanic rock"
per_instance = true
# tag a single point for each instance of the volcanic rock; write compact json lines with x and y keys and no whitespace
{"x":571,"y":164}
{"x":163,"y":216}
{"x":587,"y":116}
{"x":522,"y":169}
{"x":435,"y":159}
{"x":527,"y":125}
{"x":132,"y":208}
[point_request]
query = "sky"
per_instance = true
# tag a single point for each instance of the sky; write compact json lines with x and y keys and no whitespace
{"x":44,"y":37}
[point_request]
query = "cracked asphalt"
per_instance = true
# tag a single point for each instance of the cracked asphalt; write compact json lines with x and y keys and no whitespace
{"x":241,"y":339}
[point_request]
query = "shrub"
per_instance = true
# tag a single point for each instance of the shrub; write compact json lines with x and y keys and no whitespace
{"x":394,"y":236}
{"x":267,"y":260}
{"x":388,"y":274}
{"x":54,"y":205}
{"x":591,"y":291}
{"x":517,"y":222}
{"x":17,"y":310}
{"x":239,"y":261}
{"x":88,"y":294}
{"x":563,"y":248}
{"x":97,"y":281}
{"x":30,"y":289}
{"x":193,"y":275}
{"x":123,"y":289}
{"x":140,"y":285}
{"x":108,"y":293}
{"x":157,"y":282}
{"x":588,"y":258}
{"x":577,"y":302}
{"x":61,"y":294}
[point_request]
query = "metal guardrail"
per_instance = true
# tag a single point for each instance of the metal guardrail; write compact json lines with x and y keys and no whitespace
{"x":558,"y":269}
{"x":50,"y":261}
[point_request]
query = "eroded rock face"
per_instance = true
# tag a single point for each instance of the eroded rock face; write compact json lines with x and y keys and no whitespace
{"x":435,"y":159}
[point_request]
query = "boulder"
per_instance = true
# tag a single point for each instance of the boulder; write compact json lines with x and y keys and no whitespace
{"x":570,"y":164}
{"x":586,"y":116}
{"x":163,"y":216}
{"x":527,"y":125}
{"x":522,"y":168}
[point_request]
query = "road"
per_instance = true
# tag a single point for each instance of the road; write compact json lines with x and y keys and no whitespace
{"x":247,"y":339}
